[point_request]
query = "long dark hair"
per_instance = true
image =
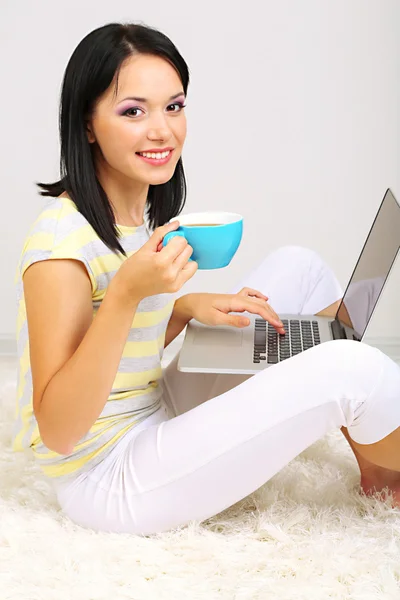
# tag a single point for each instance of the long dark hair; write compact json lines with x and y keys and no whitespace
{"x":90,"y":71}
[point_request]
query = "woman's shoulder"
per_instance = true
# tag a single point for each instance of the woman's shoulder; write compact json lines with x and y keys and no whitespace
{"x":59,"y":231}
{"x":60,"y":218}
{"x":58,"y":225}
{"x":62,"y":207}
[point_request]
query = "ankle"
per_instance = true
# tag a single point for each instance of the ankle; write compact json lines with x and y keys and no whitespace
{"x":374,"y":474}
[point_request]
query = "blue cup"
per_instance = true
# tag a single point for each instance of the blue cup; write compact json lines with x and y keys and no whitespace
{"x":214,"y":236}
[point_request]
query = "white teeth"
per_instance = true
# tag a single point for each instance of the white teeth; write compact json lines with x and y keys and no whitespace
{"x":157,"y":155}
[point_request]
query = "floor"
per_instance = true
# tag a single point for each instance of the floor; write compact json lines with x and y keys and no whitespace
{"x":306,"y":534}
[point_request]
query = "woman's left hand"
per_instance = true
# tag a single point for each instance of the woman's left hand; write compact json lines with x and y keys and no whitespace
{"x":213,"y":309}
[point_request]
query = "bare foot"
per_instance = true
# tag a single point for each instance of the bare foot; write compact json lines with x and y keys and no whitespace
{"x":376,"y":479}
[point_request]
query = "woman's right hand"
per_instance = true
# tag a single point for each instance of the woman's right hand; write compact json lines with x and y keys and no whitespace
{"x":149,"y":272}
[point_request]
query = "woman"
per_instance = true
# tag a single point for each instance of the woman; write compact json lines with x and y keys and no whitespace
{"x":128,"y":447}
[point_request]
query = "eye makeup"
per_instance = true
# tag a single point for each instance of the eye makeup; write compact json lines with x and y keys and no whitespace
{"x":129,"y":103}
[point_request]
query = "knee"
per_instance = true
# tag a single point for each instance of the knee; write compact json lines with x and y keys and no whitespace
{"x":349,"y":353}
{"x":295,"y":253}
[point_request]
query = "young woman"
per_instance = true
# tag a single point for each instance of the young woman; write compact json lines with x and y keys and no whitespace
{"x":130,"y":448}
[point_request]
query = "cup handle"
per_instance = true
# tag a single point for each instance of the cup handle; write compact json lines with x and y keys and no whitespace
{"x":170,"y":235}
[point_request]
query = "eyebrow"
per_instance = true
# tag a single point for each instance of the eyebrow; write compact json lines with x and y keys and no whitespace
{"x":137,"y":99}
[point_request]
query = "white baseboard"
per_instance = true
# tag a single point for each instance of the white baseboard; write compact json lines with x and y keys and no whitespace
{"x":8,"y":345}
{"x":390,"y":346}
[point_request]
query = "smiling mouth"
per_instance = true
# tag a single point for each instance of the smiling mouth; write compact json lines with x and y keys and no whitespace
{"x":155,"y":158}
{"x":155,"y":155}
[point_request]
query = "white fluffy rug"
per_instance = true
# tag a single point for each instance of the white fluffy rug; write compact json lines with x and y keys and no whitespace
{"x":306,"y":534}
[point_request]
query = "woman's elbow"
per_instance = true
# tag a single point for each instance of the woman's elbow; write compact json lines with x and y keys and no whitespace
{"x":55,"y":444}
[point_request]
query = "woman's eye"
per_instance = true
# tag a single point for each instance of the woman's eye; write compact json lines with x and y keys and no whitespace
{"x":178,"y":104}
{"x":136,"y":108}
{"x":129,"y":109}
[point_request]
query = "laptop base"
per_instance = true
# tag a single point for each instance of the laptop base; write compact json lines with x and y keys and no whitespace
{"x":226,"y":349}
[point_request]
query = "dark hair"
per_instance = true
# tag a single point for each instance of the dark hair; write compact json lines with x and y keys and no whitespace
{"x":90,"y":71}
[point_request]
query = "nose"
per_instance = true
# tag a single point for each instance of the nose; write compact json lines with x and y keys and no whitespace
{"x":159,"y":129}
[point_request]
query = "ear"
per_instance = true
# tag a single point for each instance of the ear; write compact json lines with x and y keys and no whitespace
{"x":90,"y":134}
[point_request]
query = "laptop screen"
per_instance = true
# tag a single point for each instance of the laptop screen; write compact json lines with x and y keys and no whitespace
{"x":373,"y":267}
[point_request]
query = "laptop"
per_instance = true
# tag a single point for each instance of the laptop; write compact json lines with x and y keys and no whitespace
{"x":226,"y":349}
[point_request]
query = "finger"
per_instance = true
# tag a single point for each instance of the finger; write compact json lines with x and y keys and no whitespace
{"x":159,"y":234}
{"x":257,"y":301}
{"x":270,"y":315}
{"x":173,"y":249}
{"x":268,"y":306}
{"x":246,"y":291}
{"x":254,"y":297}
{"x":264,"y":311}
{"x":183,"y":258}
{"x":187,"y":272}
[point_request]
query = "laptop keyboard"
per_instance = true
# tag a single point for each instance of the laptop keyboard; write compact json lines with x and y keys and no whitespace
{"x":274,"y":347}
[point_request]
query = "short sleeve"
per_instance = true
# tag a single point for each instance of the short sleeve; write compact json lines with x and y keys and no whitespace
{"x":57,"y":236}
{"x":36,"y":255}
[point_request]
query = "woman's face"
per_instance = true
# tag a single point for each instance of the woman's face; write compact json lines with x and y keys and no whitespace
{"x":121,"y":126}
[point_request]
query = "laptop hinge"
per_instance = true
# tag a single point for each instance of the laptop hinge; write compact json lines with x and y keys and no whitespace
{"x":338,"y":331}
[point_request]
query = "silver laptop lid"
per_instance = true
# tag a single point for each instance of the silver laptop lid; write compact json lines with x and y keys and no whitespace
{"x":373,"y":267}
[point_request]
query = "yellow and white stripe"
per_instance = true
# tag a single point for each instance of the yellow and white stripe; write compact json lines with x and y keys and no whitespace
{"x":61,"y":231}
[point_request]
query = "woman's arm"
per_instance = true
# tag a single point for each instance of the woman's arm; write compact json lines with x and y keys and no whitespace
{"x":74,"y":358}
{"x":180,"y":317}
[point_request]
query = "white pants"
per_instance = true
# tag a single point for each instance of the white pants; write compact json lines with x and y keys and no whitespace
{"x":218,"y":438}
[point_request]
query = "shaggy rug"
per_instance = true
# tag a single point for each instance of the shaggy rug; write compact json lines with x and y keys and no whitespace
{"x":306,"y":534}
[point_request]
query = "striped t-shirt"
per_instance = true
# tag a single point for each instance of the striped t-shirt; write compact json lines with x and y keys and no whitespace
{"x":61,"y":231}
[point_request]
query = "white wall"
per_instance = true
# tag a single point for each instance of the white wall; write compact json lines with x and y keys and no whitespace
{"x":293,"y":120}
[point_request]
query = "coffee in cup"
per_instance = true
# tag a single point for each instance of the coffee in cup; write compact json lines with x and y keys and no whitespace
{"x":214,"y":236}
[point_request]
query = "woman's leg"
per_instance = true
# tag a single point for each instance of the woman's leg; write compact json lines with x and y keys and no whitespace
{"x":297,"y":281}
{"x":194,"y":465}
{"x":197,"y":464}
